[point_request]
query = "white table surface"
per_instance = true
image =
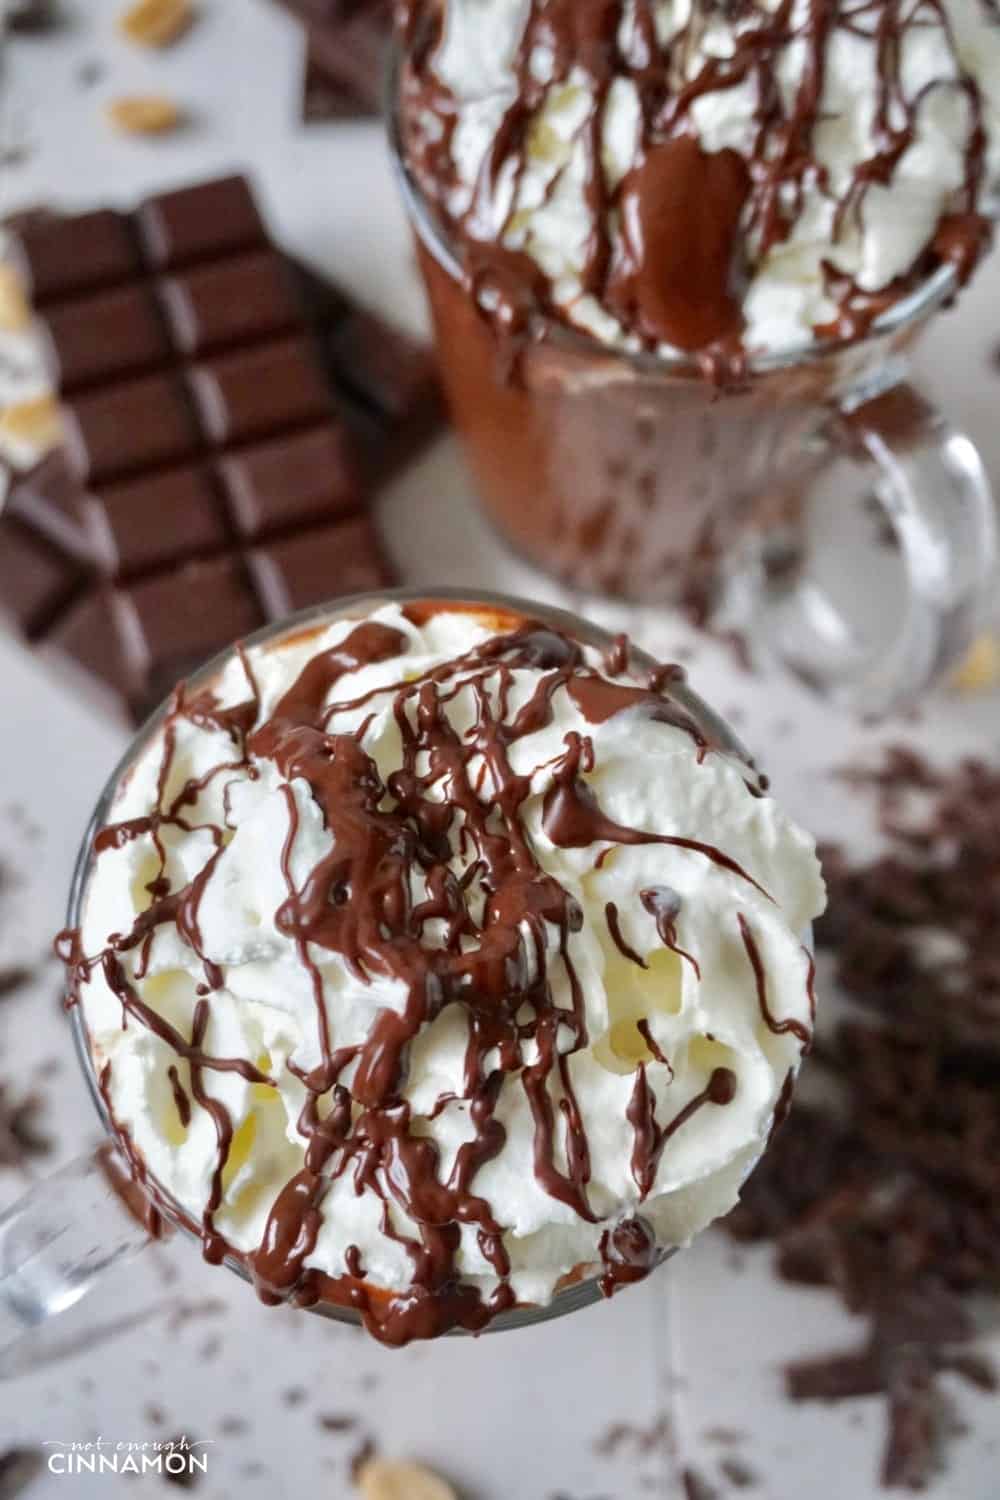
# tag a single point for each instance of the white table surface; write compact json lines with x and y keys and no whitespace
{"x":512,"y":1417}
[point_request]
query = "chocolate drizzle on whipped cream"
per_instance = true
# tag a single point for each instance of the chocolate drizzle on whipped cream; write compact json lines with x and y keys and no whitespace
{"x":671,"y":244}
{"x":491,"y":955}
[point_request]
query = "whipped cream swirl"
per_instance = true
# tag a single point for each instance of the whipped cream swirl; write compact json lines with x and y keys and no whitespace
{"x":703,"y":175}
{"x":434,"y":960}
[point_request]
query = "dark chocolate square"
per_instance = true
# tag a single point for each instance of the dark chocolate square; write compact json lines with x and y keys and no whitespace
{"x":36,"y":579}
{"x":46,"y":499}
{"x":311,"y":476}
{"x":349,"y":42}
{"x":323,"y":98}
{"x":317,"y":565}
{"x":106,"y":336}
{"x":387,"y":369}
{"x":260,"y":391}
{"x":93,"y":634}
{"x":184,"y":617}
{"x":59,"y":256}
{"x":138,"y":424}
{"x":197,"y":223}
{"x":155,"y":520}
{"x":230,"y":302}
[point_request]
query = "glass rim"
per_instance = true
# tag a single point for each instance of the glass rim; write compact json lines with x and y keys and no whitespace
{"x":571,"y":1298}
{"x":930,"y":294}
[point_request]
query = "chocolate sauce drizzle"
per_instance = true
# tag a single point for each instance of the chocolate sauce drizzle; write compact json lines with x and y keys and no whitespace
{"x":491,"y":955}
{"x":690,"y":221}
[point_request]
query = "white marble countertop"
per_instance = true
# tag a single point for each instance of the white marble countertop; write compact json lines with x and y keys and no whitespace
{"x":174,"y":1346}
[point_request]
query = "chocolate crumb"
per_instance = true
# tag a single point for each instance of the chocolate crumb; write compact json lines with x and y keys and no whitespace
{"x":232,"y":1426}
{"x":13,"y":978}
{"x":912,"y":1422}
{"x":32,"y":17}
{"x":360,"y":1457}
{"x":336,"y":1422}
{"x":739,"y":1474}
{"x":90,"y":73}
{"x":641,"y":1440}
{"x":697,"y":1487}
{"x":154,"y":1414}
{"x":187,"y":1477}
{"x":725,"y":1436}
{"x":294,"y":1395}
{"x":19,"y":1467}
{"x":892,"y":1200}
{"x":20,"y":1136}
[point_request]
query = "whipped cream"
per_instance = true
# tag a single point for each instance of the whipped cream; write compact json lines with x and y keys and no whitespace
{"x":863,"y":170}
{"x":483,"y":979}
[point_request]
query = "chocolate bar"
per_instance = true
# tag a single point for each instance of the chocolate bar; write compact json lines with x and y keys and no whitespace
{"x":347,"y":42}
{"x":226,"y":414}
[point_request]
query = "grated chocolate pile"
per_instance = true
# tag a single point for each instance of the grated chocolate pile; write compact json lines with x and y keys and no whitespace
{"x":893,"y":1201}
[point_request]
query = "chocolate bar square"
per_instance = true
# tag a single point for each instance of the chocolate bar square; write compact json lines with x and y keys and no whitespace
{"x":35,"y":578}
{"x":56,"y":260}
{"x":259,"y":391}
{"x":113,"y":333}
{"x":309,"y":476}
{"x":155,"y":520}
{"x":197,"y":223}
{"x":138,"y":424}
{"x":230,"y":302}
{"x":314,"y":566}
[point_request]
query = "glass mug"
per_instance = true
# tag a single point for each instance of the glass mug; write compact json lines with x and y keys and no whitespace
{"x":631,"y":475}
{"x":60,"y":1239}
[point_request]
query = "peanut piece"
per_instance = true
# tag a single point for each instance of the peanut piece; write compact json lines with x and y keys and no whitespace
{"x":34,"y":422}
{"x":144,"y":114}
{"x":156,"y":23}
{"x":396,"y":1479}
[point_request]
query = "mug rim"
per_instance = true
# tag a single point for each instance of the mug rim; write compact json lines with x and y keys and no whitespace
{"x":925,"y":298}
{"x":571,"y":1298}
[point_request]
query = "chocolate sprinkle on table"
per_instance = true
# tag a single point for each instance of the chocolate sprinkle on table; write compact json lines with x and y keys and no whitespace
{"x":13,"y":978}
{"x":20,"y":1137}
{"x":19,"y":1467}
{"x":894,"y":1201}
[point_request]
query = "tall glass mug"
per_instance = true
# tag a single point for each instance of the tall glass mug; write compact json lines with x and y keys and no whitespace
{"x":66,"y":1233}
{"x":632,"y":475}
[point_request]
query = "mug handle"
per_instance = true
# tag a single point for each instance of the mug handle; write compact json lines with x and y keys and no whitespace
{"x":932,"y":488}
{"x":57,"y":1242}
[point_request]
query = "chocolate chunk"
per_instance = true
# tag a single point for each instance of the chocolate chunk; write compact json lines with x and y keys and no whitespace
{"x":346,"y":45}
{"x":218,"y":411}
{"x":323,"y":99}
{"x":316,"y":565}
{"x":911,"y":1442}
{"x":58,"y":256}
{"x":231,"y":302}
{"x":198,"y":223}
{"x":307,"y":477}
{"x":391,"y":390}
{"x":112,"y":333}
{"x":260,"y":391}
